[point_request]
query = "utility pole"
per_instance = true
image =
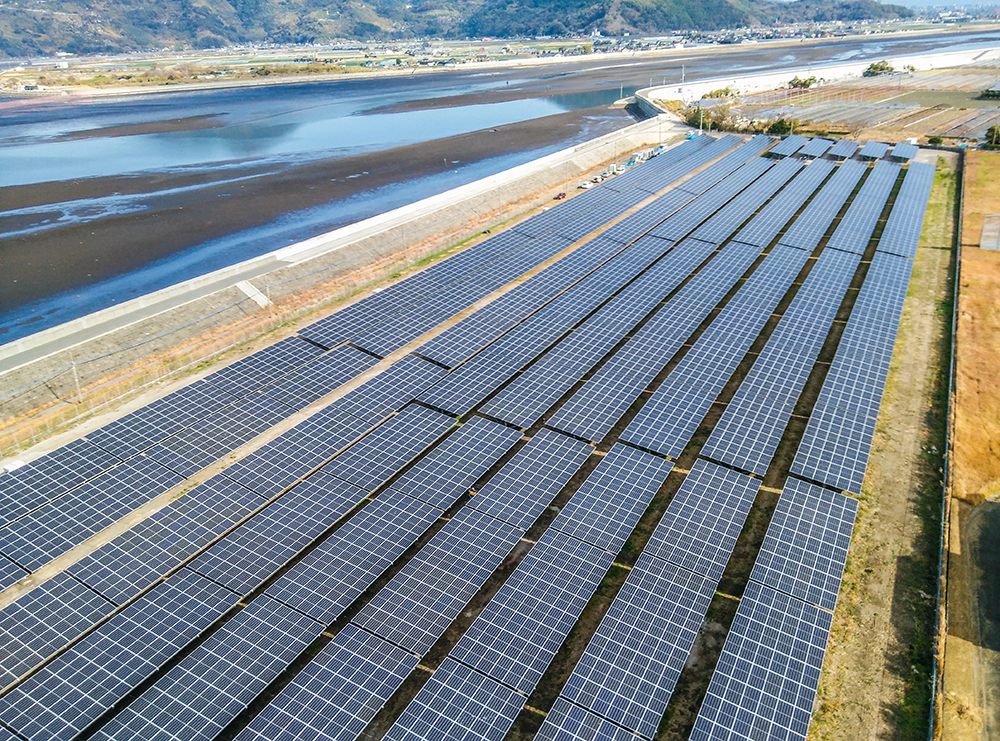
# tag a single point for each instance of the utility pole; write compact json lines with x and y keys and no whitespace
{"x":683,"y":68}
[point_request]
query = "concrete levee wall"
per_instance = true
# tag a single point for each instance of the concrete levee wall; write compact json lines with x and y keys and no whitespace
{"x":168,"y":330}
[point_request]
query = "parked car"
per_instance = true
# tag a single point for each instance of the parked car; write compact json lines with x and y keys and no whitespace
{"x":586,"y":185}
{"x":560,"y":196}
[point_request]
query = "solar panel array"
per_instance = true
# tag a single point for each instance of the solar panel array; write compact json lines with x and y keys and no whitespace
{"x":747,"y":435}
{"x":905,"y":151}
{"x":902,"y":229}
{"x":815,"y":148}
{"x":672,"y":415}
{"x":855,"y":230}
{"x":628,"y":671}
{"x":843,"y":149}
{"x":837,"y":441}
{"x":298,"y":514}
{"x":789,"y":145}
{"x":873,"y":150}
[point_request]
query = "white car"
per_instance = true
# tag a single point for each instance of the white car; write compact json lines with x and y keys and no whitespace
{"x":586,"y":185}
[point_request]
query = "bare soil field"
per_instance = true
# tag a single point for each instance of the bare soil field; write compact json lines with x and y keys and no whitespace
{"x":875,"y":682}
{"x":972,"y":649}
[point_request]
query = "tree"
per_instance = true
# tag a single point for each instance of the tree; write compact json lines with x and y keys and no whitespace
{"x":935,"y":141}
{"x":993,"y":135}
{"x":798,"y":82}
{"x":876,"y":69}
{"x":782,"y":127}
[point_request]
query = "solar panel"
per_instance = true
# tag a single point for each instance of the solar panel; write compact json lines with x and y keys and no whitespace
{"x":290,"y":456}
{"x":197,"y":698}
{"x":337,"y":694}
{"x":391,"y":389}
{"x":844,"y":148}
{"x":594,"y":409}
{"x":458,"y":704}
{"x":749,"y":431}
{"x":264,"y":366}
{"x":416,"y":607}
{"x":10,"y":573}
{"x":569,"y":722}
{"x":905,"y":151}
{"x":703,"y":520}
{"x":209,"y":440}
{"x":50,"y":476}
{"x":816,"y":148}
{"x":72,"y":691}
{"x":519,"y":632}
{"x":50,"y":531}
{"x":138,"y":557}
{"x":156,"y":421}
{"x":805,"y":549}
{"x":528,"y":483}
{"x":541,"y":385}
{"x":808,"y":229}
{"x":671,"y":416}
{"x":475,"y":331}
{"x":834,"y":448}
{"x":764,"y":685}
{"x":44,"y":620}
{"x":902,"y":229}
{"x":384,"y":451}
{"x":321,"y":376}
{"x":766,"y":225}
{"x":873,"y":150}
{"x":326,"y":582}
{"x":629,"y":669}
{"x":856,"y":228}
{"x":260,"y":546}
{"x":607,"y":507}
{"x":447,"y":472}
{"x":789,"y":145}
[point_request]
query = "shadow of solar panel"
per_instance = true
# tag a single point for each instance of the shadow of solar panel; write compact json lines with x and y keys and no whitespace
{"x":458,"y":704}
{"x":519,"y":632}
{"x":528,"y":483}
{"x":630,"y":667}
{"x":703,"y":520}
{"x":138,"y":557}
{"x":808,"y":229}
{"x":156,"y":421}
{"x":255,"y":371}
{"x":607,"y":507}
{"x":50,"y":531}
{"x":290,"y":456}
{"x":50,"y":476}
{"x":856,"y":228}
{"x":197,"y":698}
{"x":764,"y":227}
{"x":805,"y":549}
{"x":383,"y":452}
{"x":416,"y":607}
{"x":72,"y":691}
{"x":764,"y":685}
{"x":336,"y":695}
{"x":593,"y":410}
{"x":44,"y":620}
{"x":344,"y":565}
{"x":568,"y":722}
{"x":447,"y":472}
{"x":321,"y":376}
{"x":260,"y":546}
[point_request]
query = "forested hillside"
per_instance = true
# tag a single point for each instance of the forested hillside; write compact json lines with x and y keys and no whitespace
{"x":33,"y":27}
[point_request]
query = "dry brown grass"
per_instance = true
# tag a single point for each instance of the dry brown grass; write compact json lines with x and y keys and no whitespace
{"x":977,"y":373}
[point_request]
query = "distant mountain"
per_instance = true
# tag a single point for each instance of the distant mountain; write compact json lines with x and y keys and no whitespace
{"x":43,"y":27}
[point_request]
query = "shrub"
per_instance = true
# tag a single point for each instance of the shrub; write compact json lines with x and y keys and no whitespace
{"x":875,"y":69}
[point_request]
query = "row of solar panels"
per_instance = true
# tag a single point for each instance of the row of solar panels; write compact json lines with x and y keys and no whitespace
{"x":741,"y":273}
{"x":842,"y":149}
